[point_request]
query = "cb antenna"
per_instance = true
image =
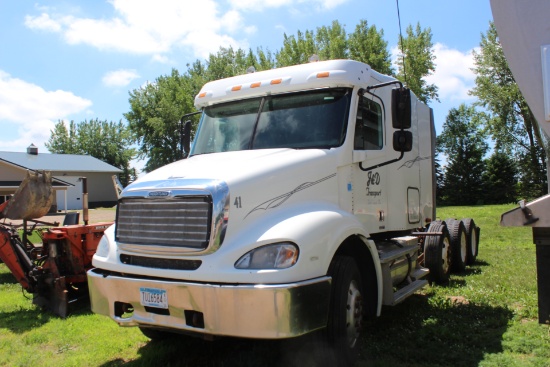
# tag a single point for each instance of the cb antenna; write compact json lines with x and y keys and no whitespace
{"x":401,"y":42}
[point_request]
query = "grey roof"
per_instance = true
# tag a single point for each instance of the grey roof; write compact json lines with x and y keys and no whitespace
{"x":57,"y":162}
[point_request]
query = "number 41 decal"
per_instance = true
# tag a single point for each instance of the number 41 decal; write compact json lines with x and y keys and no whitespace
{"x":237,"y":202}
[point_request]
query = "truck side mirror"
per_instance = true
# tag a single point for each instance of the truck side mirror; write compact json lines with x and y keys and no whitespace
{"x":401,"y":108}
{"x":402,"y":141}
{"x":186,"y":138}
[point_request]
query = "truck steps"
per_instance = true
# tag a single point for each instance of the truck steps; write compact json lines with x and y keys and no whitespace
{"x":395,"y":253}
{"x":409,"y":289}
{"x":402,"y":275}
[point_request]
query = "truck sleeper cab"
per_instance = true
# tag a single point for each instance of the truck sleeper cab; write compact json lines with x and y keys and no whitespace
{"x":295,"y":211}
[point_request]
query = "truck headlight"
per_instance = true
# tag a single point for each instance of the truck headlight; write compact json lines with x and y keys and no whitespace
{"x":102,"y":249}
{"x":276,"y":256}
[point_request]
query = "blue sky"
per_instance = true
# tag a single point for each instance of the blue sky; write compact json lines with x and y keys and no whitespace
{"x":75,"y":60}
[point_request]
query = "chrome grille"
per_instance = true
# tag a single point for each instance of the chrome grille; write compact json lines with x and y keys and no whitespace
{"x":177,"y":222}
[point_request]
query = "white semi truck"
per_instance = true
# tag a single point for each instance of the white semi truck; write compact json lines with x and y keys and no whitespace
{"x":307,"y":202}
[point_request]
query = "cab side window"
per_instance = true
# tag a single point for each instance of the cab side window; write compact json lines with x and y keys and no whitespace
{"x":369,"y":127}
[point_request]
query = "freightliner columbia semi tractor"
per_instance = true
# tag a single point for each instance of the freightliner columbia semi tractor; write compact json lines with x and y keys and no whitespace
{"x":307,"y":202}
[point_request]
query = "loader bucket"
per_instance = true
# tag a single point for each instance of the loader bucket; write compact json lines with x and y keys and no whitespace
{"x":32,"y":199}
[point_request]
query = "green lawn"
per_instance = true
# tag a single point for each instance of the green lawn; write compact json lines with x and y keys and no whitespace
{"x":485,"y":317}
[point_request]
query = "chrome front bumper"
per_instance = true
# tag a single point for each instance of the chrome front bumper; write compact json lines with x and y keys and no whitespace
{"x":248,"y":311}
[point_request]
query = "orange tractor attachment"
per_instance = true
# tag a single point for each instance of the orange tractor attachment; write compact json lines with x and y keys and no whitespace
{"x":55,"y":272}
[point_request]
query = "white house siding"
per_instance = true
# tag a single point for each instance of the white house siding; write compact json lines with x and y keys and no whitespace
{"x":101,"y":191}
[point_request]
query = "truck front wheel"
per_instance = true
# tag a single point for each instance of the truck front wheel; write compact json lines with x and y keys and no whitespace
{"x":346,"y":315}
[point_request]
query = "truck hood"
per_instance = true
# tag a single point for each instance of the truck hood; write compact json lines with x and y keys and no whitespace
{"x":255,"y":183}
{"x":239,"y":166}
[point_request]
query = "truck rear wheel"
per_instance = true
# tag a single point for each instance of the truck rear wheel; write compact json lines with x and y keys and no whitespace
{"x":437,"y":253}
{"x":472,"y":238}
{"x":346,"y":314}
{"x":459,"y":245}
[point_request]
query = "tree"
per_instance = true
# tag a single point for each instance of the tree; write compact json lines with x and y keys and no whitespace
{"x":296,"y":49}
{"x":155,"y":112}
{"x":367,"y":44}
{"x":332,"y":42}
{"x":63,"y":141}
{"x":463,"y":142}
{"x":439,"y":181}
{"x":105,"y":140}
{"x":418,"y":63}
{"x":512,"y":125}
{"x":500,"y":179}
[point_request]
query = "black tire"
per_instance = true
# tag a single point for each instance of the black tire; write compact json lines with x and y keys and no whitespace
{"x":472,"y":237}
{"x":459,"y":245}
{"x":155,"y":334}
{"x":346,"y":313}
{"x":437,"y":253}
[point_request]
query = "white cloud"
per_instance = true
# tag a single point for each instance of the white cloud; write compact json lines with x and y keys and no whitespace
{"x":453,"y":74}
{"x":32,"y":132}
{"x":331,"y":4}
{"x":150,"y":28}
{"x":119,"y":78}
{"x":21,"y":101}
{"x":232,"y":20}
{"x":259,"y":5}
{"x":42,"y":22}
{"x":33,"y":110}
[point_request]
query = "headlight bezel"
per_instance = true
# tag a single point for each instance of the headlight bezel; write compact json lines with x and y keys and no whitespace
{"x":273,"y":256}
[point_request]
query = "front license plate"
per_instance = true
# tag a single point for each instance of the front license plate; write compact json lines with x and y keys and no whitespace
{"x":154,"y":297}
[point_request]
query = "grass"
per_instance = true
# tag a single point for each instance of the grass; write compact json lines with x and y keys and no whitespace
{"x":484,"y":317}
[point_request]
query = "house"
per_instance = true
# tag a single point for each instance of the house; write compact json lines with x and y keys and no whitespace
{"x":67,"y":169}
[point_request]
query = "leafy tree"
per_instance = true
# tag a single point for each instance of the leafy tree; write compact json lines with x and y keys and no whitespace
{"x":228,"y":62}
{"x":500,"y":179}
{"x":512,"y":125}
{"x":418,"y":62}
{"x":265,"y":60}
{"x":463,"y":142}
{"x":105,"y":140}
{"x":296,"y":49}
{"x":332,"y":42}
{"x":63,"y":141}
{"x":367,"y":44}
{"x":439,"y":181}
{"x":155,"y":113}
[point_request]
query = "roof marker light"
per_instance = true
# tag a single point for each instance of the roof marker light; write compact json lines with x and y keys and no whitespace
{"x":236,"y":88}
{"x":255,"y":85}
{"x":276,"y":81}
{"x":324,"y":74}
{"x":202,"y":95}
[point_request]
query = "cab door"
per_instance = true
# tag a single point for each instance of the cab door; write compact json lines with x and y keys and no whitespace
{"x":369,"y":188}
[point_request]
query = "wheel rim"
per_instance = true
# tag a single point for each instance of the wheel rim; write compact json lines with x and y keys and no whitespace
{"x":445,"y":255}
{"x":463,"y":247}
{"x":354,"y":313}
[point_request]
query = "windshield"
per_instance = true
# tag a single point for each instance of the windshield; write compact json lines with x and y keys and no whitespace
{"x":312,"y":119}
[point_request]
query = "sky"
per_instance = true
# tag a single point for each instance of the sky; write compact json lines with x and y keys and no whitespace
{"x":69,"y":60}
